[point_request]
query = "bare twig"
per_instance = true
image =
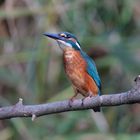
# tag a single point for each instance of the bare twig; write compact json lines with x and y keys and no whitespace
{"x":19,"y":110}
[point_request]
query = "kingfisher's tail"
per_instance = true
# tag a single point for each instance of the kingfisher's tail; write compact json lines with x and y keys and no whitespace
{"x":96,"y":109}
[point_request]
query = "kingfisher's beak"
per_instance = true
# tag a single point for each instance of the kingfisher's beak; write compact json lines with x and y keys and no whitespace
{"x":53,"y":36}
{"x":62,"y":42}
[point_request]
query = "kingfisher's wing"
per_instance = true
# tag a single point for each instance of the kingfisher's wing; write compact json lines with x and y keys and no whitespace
{"x":91,"y":69}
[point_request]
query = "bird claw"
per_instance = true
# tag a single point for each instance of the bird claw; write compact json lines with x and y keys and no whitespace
{"x":85,"y":99}
{"x":70,"y":103}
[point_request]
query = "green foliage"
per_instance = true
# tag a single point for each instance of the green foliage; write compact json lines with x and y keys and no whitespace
{"x":31,"y":65}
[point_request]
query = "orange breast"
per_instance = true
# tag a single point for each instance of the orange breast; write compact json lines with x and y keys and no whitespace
{"x":75,"y":67}
{"x":91,"y":85}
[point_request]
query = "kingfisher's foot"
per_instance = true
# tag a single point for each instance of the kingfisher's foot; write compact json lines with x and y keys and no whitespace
{"x":83,"y":101}
{"x":70,"y":102}
{"x":86,"y":98}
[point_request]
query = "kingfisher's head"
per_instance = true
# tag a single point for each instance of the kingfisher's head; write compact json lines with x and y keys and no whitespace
{"x":65,"y":39}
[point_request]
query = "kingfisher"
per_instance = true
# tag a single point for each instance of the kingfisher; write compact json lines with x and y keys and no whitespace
{"x":79,"y":67}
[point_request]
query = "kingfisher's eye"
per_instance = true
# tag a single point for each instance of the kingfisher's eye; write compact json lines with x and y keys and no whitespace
{"x":63,"y":35}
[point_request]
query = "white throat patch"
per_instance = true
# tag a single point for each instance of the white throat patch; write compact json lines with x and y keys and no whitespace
{"x":61,"y":43}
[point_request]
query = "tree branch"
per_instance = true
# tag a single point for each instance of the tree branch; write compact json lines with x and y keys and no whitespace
{"x":19,"y":110}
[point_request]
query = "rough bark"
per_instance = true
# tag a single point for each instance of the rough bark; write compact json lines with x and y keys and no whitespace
{"x":20,"y":110}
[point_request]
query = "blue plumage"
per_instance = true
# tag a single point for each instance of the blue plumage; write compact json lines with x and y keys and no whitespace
{"x":91,"y":69}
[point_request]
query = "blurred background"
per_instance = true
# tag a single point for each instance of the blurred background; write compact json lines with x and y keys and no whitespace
{"x":31,"y":65}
